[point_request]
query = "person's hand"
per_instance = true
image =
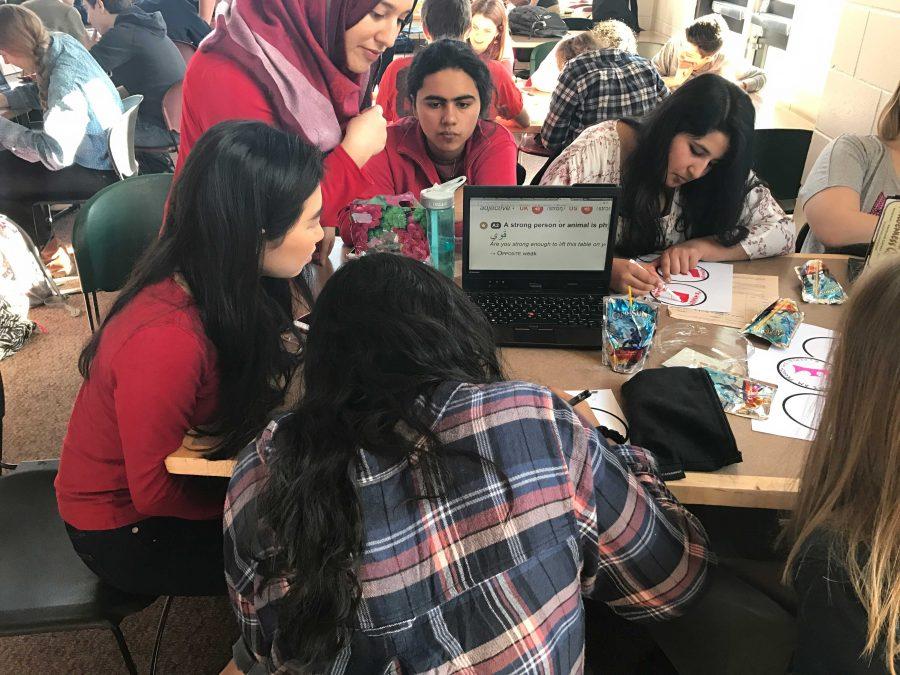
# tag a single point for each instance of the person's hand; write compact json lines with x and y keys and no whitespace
{"x":686,"y":65}
{"x":642,"y":277}
{"x":4,"y":102}
{"x":366,"y":135}
{"x":681,"y":258}
{"x":231,"y":669}
{"x":325,"y":245}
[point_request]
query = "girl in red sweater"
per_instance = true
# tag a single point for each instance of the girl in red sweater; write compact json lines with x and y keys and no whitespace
{"x":302,"y":66}
{"x":198,"y":342}
{"x":450,"y":91}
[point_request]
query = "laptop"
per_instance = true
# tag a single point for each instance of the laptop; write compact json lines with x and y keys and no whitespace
{"x":8,"y":68}
{"x":537,"y":260}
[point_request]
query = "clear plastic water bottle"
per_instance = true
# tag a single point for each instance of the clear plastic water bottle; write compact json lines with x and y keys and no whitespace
{"x":438,"y":203}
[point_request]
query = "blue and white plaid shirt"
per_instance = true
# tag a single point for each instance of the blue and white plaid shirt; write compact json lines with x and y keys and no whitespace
{"x":606,"y":84}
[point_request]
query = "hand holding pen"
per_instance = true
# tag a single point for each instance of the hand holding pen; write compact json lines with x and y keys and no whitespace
{"x":642,"y":277}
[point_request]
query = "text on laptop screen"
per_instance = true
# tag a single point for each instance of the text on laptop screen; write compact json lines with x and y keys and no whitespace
{"x":558,"y":234}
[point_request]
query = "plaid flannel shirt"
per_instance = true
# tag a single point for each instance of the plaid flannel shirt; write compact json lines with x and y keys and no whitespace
{"x":604,"y":84}
{"x":463,"y":583}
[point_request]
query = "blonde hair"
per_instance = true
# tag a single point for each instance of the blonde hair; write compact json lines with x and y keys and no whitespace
{"x":22,"y":32}
{"x":614,"y":34}
{"x":889,"y":120}
{"x":850,"y":485}
{"x":574,"y":46}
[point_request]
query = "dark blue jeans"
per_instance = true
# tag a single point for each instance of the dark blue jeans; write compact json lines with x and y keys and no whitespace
{"x":156,"y":556}
{"x":23,"y":183}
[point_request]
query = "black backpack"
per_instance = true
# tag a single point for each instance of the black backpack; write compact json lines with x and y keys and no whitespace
{"x":533,"y":21}
{"x":621,"y":10}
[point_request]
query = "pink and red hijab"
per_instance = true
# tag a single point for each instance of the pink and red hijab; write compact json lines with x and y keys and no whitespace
{"x":294,"y":49}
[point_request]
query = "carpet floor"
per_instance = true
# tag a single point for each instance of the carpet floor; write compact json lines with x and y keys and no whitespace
{"x":41,"y":382}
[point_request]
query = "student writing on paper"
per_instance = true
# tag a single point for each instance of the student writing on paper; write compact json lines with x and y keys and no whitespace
{"x":846,"y":189}
{"x":702,"y":50}
{"x":135,"y":50}
{"x":449,"y":89}
{"x":300,"y":66}
{"x":845,"y":529}
{"x":200,"y":341}
{"x":687,"y":185}
{"x":79,"y":105}
{"x":449,"y":19}
{"x":416,"y":508}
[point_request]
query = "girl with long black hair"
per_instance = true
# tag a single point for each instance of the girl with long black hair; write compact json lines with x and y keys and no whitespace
{"x":417,"y":512}
{"x":198,"y":342}
{"x":687,"y":185}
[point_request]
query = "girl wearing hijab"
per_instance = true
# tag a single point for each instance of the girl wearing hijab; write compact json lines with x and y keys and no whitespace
{"x":302,"y":66}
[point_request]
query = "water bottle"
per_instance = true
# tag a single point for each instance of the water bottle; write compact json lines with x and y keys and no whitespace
{"x":438,"y":203}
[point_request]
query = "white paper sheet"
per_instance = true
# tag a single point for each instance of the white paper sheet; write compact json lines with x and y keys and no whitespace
{"x":708,"y":287}
{"x":606,"y":409}
{"x":800,"y":372}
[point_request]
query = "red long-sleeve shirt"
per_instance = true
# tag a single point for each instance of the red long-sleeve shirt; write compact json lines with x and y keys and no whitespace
{"x":404,"y":164}
{"x":153,"y":378}
{"x":216,"y":89}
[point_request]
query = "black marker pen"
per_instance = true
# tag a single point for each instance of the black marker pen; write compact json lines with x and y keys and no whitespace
{"x":578,"y":398}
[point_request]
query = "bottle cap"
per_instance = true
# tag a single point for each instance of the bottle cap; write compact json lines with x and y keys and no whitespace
{"x":441,"y":196}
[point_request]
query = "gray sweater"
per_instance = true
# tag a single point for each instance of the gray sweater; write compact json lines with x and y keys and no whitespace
{"x":58,"y":16}
{"x":139,"y":56}
{"x":82,"y":104}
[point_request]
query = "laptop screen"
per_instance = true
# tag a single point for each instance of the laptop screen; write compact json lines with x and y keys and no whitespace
{"x":559,"y":233}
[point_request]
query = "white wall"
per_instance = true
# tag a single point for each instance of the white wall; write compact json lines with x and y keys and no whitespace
{"x":800,"y":80}
{"x":646,"y":10}
{"x":670,"y":16}
{"x":864,"y":71}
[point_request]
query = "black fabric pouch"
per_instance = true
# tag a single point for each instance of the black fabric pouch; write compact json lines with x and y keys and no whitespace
{"x":675,"y":414}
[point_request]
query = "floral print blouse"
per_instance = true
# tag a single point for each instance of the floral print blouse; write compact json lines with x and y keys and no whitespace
{"x":594,"y":158}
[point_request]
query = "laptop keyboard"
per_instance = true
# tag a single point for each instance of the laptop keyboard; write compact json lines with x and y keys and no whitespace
{"x":559,"y":310}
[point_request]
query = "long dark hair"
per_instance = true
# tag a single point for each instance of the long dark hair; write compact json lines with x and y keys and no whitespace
{"x":712,"y":204}
{"x":449,"y":54}
{"x":244,"y":184}
{"x":385,"y":331}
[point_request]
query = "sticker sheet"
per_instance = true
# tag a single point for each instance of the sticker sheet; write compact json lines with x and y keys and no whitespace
{"x":707,"y":287}
{"x":800,"y":371}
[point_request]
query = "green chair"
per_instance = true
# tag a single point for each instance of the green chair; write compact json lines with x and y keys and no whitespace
{"x":113,"y":229}
{"x":539,"y":53}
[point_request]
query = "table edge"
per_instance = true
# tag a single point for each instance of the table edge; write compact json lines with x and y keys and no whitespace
{"x":768,"y":492}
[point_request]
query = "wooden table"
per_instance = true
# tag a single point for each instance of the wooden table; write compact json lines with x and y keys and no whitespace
{"x":769,"y":114}
{"x":523,"y":42}
{"x":767,"y":478}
